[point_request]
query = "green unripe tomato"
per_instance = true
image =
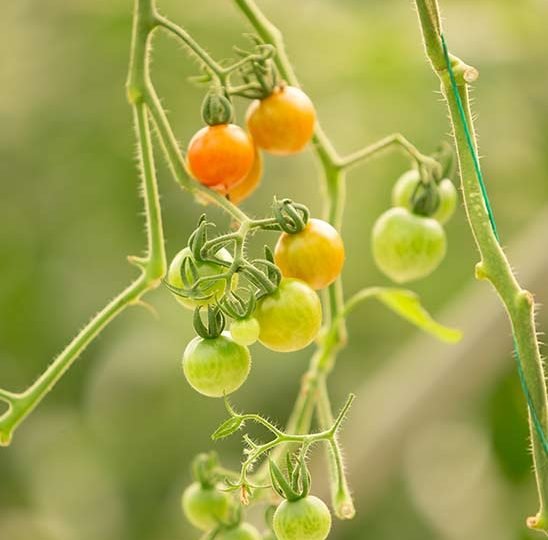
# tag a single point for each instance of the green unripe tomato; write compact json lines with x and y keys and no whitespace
{"x":245,"y":331}
{"x":290,"y":318}
{"x":244,"y":531}
{"x":305,"y":519}
{"x":406,"y":246}
{"x":405,"y":187}
{"x":205,"y":507}
{"x":213,"y":289}
{"x":216,"y":367}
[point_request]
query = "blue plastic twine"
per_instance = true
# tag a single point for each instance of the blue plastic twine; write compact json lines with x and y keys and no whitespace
{"x":532,"y":409}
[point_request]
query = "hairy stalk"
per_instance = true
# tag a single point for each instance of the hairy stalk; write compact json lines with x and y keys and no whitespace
{"x":494,"y":265}
{"x":335,"y":183}
{"x":153,"y":265}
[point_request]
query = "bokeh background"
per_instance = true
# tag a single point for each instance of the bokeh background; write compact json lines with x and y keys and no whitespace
{"x":437,"y":441}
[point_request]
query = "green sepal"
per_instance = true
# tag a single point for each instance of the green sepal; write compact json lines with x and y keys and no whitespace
{"x":217,"y":109}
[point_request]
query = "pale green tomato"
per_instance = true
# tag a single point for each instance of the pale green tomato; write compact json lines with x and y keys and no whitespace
{"x":245,"y":331}
{"x":405,"y":186}
{"x":204,"y":507}
{"x":244,"y":531}
{"x":214,"y":289}
{"x":305,"y":519}
{"x":216,"y":367}
{"x":406,"y":246}
{"x":289,"y":318}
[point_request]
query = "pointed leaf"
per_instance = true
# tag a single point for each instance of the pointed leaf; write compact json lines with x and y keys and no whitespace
{"x":227,"y":428}
{"x":407,"y":305}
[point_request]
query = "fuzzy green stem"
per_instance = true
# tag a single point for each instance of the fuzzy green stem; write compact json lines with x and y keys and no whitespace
{"x":494,"y":265}
{"x":153,"y":266}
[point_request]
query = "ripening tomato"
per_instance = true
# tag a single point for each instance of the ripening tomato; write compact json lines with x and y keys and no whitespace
{"x":216,"y":367}
{"x":250,"y":183}
{"x":304,"y":519}
{"x":314,"y":255}
{"x":289,"y":318}
{"x":245,"y":331}
{"x":283,"y":123}
{"x":205,"y":507}
{"x":244,"y":531}
{"x":405,"y":187}
{"x":406,"y":246}
{"x":220,"y":155}
{"x":211,"y":290}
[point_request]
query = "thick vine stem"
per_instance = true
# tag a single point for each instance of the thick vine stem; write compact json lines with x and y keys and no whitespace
{"x":494,"y":265}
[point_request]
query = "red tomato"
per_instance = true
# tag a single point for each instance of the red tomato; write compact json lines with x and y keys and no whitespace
{"x":220,"y":155}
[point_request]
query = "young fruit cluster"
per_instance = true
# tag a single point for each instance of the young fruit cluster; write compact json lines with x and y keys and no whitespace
{"x":408,"y":240}
{"x":210,"y":508}
{"x":271,"y":300}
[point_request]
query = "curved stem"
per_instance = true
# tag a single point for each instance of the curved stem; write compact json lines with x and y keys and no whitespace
{"x":494,"y":265}
{"x":153,"y":266}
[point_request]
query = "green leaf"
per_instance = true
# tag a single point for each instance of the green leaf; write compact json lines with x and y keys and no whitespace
{"x":227,"y":428}
{"x":407,"y":305}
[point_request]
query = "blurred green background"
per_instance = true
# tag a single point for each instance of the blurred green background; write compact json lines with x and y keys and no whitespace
{"x":437,"y":442}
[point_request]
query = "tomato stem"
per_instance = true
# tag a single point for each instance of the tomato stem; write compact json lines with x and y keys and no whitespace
{"x":494,"y":265}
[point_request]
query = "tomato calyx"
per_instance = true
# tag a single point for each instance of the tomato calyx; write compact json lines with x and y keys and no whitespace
{"x":215,"y":322}
{"x":204,"y":468}
{"x":297,"y":485}
{"x":291,"y":217}
{"x":217,"y":108}
{"x":425,"y":199}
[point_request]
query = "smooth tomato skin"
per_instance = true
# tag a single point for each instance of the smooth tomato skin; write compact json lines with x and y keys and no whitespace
{"x":244,"y":531}
{"x":405,"y":186}
{"x":205,"y":507}
{"x":213,"y":290}
{"x":290,"y":318}
{"x":216,"y":367}
{"x":305,"y":519}
{"x":407,"y":247}
{"x":245,"y":331}
{"x":220,"y":155}
{"x":284,"y":122}
{"x":315,"y":255}
{"x":250,"y":183}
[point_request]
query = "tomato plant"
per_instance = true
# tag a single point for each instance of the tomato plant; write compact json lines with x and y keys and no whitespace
{"x":273,"y":297}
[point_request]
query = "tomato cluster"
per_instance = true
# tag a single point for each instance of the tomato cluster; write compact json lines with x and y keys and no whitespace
{"x":224,"y":157}
{"x":409,"y":242}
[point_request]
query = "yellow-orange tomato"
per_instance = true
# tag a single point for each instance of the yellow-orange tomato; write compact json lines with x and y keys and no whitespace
{"x":220,"y":155}
{"x":250,"y":183}
{"x":283,"y":123}
{"x":315,"y":255}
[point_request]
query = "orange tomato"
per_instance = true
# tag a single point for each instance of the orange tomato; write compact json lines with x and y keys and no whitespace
{"x":283,"y":123}
{"x":315,"y":255}
{"x":220,"y":155}
{"x":250,"y":183}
